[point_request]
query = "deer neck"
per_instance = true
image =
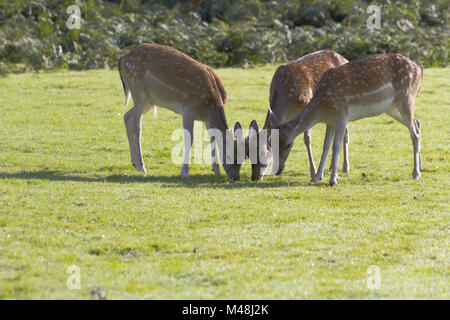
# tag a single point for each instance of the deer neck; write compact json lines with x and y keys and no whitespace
{"x":304,"y":120}
{"x":223,"y":137}
{"x":217,"y":123}
{"x":217,"y":120}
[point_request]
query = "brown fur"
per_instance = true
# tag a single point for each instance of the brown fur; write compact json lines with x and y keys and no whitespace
{"x":364,"y":87}
{"x":292,"y":87}
{"x":160,"y":75}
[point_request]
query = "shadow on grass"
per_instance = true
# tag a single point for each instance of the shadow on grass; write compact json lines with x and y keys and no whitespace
{"x":195,"y":181}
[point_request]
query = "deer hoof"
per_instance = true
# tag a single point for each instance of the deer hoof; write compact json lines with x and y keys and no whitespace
{"x":216,"y":169}
{"x":185,"y":172}
{"x":141,"y":168}
{"x":416,"y":175}
{"x":333,"y":181}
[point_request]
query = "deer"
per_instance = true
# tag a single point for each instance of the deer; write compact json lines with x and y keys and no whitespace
{"x":365,"y":87}
{"x":292,"y":87}
{"x":154,"y":74}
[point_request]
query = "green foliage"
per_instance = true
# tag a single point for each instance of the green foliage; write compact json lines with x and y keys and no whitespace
{"x":33,"y":34}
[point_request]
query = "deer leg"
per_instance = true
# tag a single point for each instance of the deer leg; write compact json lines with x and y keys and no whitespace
{"x":418,"y":126}
{"x":329,"y":135}
{"x":346,"y":165}
{"x":337,"y":143}
{"x":406,"y":109}
{"x":188,"y":126}
{"x":215,"y":163}
{"x":415,"y":137}
{"x":394,"y":113}
{"x":307,"y":140}
{"x":133,"y":124}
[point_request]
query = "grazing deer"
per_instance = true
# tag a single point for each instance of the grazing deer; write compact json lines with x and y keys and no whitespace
{"x":159,"y":75}
{"x":293,"y":85}
{"x":365,"y":87}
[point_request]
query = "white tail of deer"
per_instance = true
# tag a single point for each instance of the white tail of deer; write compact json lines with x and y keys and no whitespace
{"x":365,"y":87}
{"x":292,"y":87}
{"x":152,"y":75}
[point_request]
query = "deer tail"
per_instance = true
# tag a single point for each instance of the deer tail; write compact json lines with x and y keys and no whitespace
{"x":125,"y":88}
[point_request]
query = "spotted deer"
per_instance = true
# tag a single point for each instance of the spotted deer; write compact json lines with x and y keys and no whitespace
{"x":292,"y":86}
{"x":160,"y":75}
{"x":365,"y":87}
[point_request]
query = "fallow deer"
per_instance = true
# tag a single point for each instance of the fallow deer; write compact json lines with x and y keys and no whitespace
{"x":160,"y":75}
{"x":365,"y":87}
{"x":292,"y":86}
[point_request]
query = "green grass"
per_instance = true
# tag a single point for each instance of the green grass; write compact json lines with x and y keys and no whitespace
{"x":70,"y":196}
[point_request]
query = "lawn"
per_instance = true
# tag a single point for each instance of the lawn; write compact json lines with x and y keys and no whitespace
{"x":70,"y":196}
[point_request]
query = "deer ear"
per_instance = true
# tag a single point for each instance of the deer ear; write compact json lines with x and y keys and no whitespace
{"x":253,"y":133}
{"x":273,"y":121}
{"x":238,"y":131}
{"x":254,"y":126}
{"x":253,"y":129}
{"x":247,"y":143}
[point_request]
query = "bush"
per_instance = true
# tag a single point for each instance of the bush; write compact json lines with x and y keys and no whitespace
{"x":217,"y":32}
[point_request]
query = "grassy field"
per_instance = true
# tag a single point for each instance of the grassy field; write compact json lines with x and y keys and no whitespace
{"x":70,"y":196}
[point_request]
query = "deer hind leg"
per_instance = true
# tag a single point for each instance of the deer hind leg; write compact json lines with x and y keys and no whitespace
{"x":346,"y":164}
{"x":307,"y":140}
{"x":406,"y":110}
{"x":341,"y":128}
{"x":403,"y":115}
{"x":329,"y":135}
{"x":215,"y":162}
{"x":188,"y":129}
{"x":133,"y":124}
{"x":418,"y":126}
{"x":415,"y":137}
{"x":395,"y":113}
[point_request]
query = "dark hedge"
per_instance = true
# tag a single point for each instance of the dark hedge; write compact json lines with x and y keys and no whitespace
{"x":33,"y":34}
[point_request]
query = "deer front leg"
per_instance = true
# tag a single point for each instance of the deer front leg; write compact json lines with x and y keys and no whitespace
{"x":133,"y":123}
{"x":215,"y":163}
{"x":307,"y":140}
{"x":346,"y":164}
{"x":329,"y":135}
{"x":337,"y":143}
{"x":188,"y":128}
